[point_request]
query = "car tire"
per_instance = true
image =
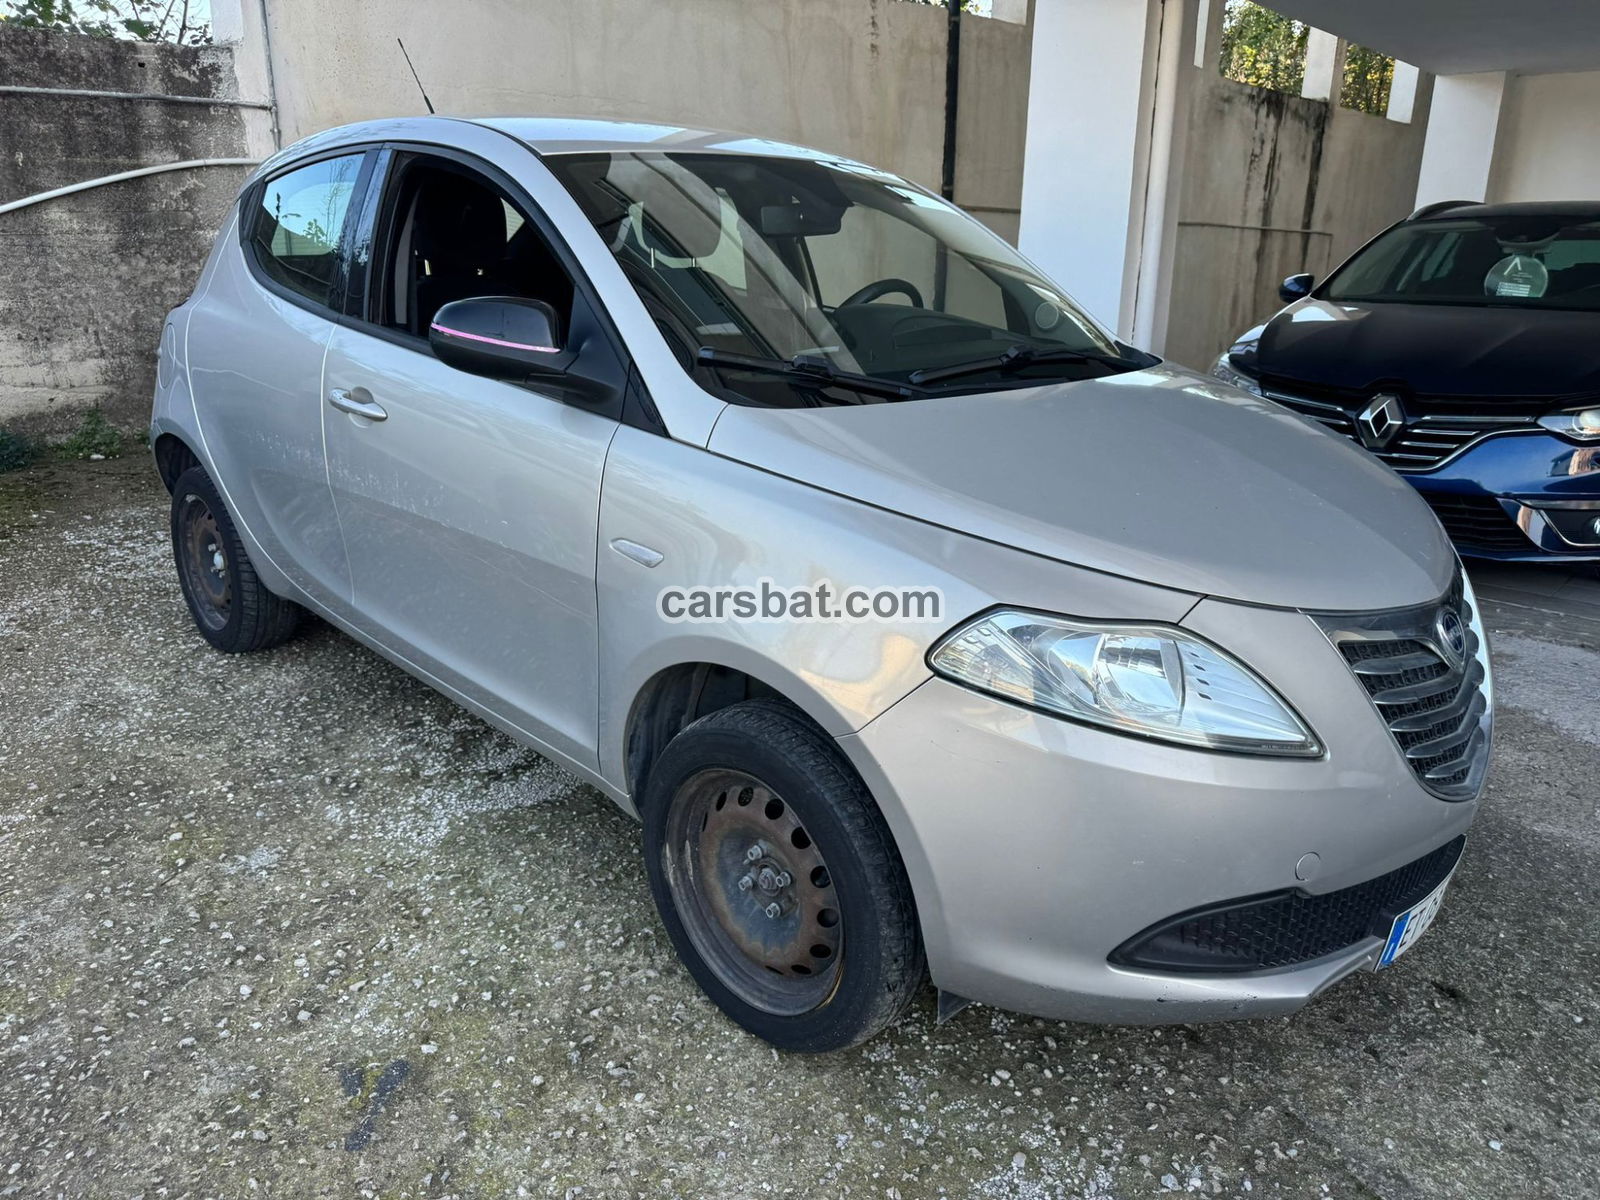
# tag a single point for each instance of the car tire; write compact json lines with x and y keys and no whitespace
{"x":778,"y":881}
{"x":230,"y":605}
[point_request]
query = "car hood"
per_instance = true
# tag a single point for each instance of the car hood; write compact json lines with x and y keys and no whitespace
{"x":1498,"y":354}
{"x":1158,"y":475}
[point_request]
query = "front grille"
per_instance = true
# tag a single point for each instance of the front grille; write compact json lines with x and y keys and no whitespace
{"x":1433,"y":698}
{"x":1425,"y":440}
{"x":1286,"y":928}
{"x":1479,"y":522}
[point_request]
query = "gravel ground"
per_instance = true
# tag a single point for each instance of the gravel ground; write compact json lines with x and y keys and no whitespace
{"x":294,"y":925}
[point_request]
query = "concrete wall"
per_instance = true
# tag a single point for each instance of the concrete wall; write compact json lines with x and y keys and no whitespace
{"x":88,"y":278}
{"x":861,"y":77}
{"x":1276,"y":184}
{"x":1549,"y":141}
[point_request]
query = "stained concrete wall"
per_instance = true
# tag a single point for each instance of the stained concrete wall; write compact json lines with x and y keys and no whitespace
{"x":88,"y":278}
{"x":1549,"y":141}
{"x":865,"y":78}
{"x":1276,"y":184}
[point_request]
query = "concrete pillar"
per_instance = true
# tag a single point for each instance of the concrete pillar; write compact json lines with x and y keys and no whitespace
{"x":241,"y":26}
{"x":1463,"y":122}
{"x":1324,"y":77}
{"x":1403,"y":92}
{"x":1090,"y":102}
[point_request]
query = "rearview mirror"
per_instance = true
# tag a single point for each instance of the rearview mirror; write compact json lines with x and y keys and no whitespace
{"x":1296,"y":287}
{"x":503,"y":337}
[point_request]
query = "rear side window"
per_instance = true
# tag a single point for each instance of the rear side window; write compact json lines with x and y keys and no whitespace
{"x":296,"y":227}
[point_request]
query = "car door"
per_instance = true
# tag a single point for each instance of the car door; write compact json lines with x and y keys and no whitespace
{"x":470,"y":505}
{"x":256,"y":345}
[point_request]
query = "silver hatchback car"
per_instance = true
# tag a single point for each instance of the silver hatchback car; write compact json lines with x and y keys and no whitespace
{"x":928,"y":629}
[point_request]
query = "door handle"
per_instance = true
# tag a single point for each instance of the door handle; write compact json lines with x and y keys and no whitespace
{"x":358,"y":402}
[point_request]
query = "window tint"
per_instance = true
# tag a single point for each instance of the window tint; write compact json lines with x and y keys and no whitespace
{"x":455,"y":235}
{"x":1524,"y":260}
{"x":296,"y":228}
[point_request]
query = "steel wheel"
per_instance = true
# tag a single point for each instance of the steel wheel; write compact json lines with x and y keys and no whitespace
{"x":205,"y":561}
{"x":754,"y":892}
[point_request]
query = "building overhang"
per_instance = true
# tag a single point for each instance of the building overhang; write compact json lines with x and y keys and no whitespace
{"x":1455,"y":37}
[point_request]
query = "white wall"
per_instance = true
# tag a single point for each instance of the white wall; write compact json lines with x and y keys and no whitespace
{"x":1459,"y":154}
{"x":1087,"y":148}
{"x":865,"y":78}
{"x":1549,"y":144}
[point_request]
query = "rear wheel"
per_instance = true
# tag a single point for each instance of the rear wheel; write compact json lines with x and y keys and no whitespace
{"x":231,"y":607}
{"x":778,"y":881}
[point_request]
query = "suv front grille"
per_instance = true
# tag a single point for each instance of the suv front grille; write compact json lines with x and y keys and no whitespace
{"x":1433,"y":697}
{"x":1422,"y":443}
{"x":1286,"y":928}
{"x":1480,"y":522}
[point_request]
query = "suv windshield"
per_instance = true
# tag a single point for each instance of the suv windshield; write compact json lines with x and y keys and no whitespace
{"x":1521,"y":261}
{"x":828,"y":273}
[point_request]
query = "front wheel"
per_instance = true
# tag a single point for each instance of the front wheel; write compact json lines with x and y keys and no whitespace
{"x":778,"y":881}
{"x":231,"y":607}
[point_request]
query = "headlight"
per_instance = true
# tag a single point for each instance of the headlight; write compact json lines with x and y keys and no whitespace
{"x":1224,"y":370}
{"x":1154,"y":680}
{"x":1583,"y":425}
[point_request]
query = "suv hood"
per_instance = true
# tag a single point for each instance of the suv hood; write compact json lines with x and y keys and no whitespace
{"x":1158,"y":475}
{"x":1498,"y":354}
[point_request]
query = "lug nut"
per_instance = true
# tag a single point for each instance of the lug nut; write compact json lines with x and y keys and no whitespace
{"x":774,"y":910}
{"x":755,"y":852}
{"x":782,"y":879}
{"x":746,"y":884}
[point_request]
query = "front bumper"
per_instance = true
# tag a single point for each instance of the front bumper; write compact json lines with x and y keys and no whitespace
{"x":1036,"y":847}
{"x":1519,"y":497}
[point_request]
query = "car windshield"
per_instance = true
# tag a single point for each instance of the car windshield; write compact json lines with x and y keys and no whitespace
{"x":1521,"y":261}
{"x":827,"y":272}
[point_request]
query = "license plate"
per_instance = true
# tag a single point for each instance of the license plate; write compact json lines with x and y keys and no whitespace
{"x":1412,"y":924}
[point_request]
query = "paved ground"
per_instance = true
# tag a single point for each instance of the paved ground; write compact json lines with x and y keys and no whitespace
{"x":293,"y":925}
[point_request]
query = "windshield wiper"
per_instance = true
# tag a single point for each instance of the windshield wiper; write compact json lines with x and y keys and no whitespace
{"x":807,"y":369}
{"x":1017,"y":357}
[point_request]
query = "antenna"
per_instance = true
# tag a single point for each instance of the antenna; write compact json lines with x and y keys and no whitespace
{"x":420,"y":88}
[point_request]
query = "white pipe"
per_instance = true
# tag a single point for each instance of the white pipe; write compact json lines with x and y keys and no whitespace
{"x":41,"y":197}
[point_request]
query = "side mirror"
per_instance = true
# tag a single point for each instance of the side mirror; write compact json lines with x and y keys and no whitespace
{"x":1296,"y":287}
{"x":503,"y":337}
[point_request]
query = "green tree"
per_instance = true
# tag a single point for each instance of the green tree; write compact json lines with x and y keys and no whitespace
{"x":182,"y":22}
{"x":1263,"y":48}
{"x":1368,"y":76}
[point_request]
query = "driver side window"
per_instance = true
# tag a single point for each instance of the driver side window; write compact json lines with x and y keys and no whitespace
{"x":455,"y":235}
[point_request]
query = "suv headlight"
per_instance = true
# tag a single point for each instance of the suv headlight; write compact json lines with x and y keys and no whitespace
{"x":1224,"y":370}
{"x":1157,"y":681}
{"x":1582,"y":425}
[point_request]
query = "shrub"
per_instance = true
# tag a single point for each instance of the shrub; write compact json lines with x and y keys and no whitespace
{"x":95,"y":436}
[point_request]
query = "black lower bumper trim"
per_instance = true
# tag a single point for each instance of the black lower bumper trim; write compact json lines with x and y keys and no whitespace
{"x":1282,"y":929}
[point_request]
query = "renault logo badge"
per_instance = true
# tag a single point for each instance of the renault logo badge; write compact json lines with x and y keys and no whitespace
{"x":1381,"y":420}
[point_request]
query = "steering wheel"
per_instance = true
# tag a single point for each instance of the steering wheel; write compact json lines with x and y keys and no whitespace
{"x":884,"y":287}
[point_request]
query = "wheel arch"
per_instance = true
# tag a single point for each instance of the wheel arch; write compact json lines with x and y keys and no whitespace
{"x":677,"y":695}
{"x":173,"y":457}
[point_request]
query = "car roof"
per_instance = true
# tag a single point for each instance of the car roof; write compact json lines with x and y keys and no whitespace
{"x":578,"y":135}
{"x":561,"y":135}
{"x":1583,"y":210}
